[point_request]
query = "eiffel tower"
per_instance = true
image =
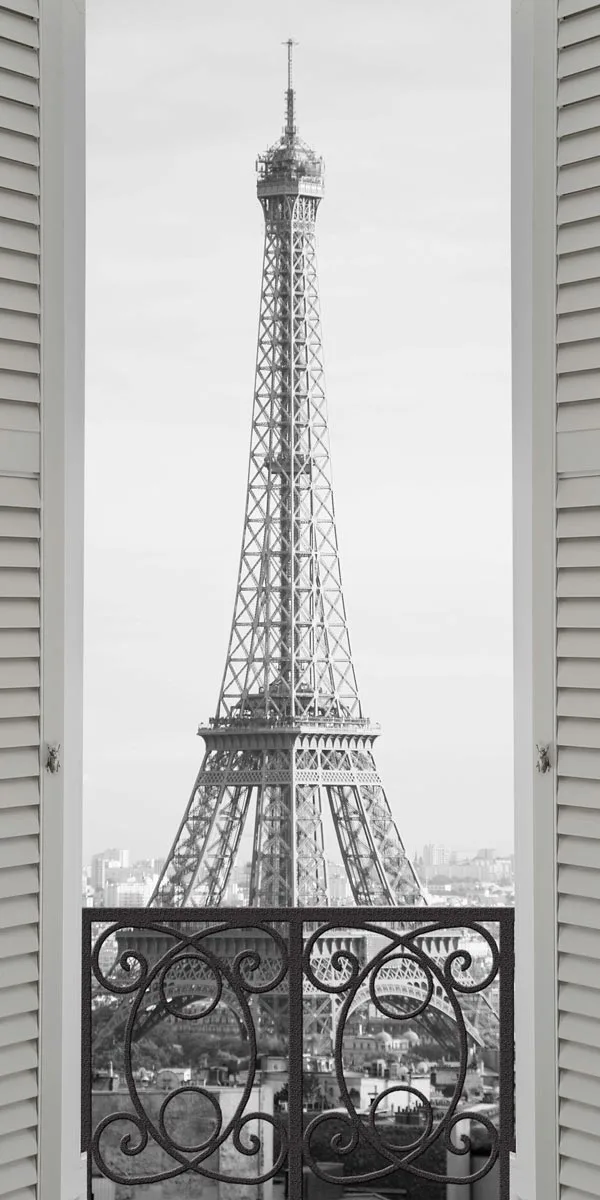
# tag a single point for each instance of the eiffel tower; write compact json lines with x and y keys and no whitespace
{"x":289,"y":736}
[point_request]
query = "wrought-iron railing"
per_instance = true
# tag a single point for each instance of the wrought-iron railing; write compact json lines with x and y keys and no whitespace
{"x":297,"y":993}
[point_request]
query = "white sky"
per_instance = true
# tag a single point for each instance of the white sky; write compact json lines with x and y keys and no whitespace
{"x":408,"y":101}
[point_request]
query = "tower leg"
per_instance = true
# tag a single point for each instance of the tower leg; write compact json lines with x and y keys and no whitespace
{"x":199,"y":863}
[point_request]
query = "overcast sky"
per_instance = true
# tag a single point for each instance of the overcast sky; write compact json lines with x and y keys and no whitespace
{"x":408,"y":102}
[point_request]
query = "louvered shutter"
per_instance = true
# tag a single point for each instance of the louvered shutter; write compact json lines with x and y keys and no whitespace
{"x":578,"y":596}
{"x":19,"y":595}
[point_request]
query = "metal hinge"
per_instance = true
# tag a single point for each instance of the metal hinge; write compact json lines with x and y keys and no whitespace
{"x":543,"y":764}
{"x":53,"y":758}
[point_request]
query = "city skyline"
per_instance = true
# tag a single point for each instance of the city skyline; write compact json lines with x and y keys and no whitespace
{"x":461,"y":852}
{"x":155,"y":644}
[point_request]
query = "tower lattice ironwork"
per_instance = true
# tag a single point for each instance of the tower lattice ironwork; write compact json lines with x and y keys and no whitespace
{"x":289,"y":730}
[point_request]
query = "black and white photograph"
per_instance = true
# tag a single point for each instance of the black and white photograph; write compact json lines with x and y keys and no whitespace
{"x":299,"y":600}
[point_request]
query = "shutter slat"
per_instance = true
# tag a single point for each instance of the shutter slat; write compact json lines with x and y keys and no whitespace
{"x":578,"y":522}
{"x":579,"y":822}
{"x":578,"y":583}
{"x":24,"y":731}
{"x":19,"y":522}
{"x":585,"y":415}
{"x":584,"y":942}
{"x":22,"y":642}
{"x":23,"y":268}
{"x":14,"y":206}
{"x":22,"y":552}
{"x":578,"y":881}
{"x":579,"y":28}
{"x":574,"y":910}
{"x":25,"y":327}
{"x":581,"y":1001}
{"x":579,"y":792}
{"x":572,"y":614}
{"x":15,"y":235}
{"x":582,"y":1175}
{"x":576,"y":58}
{"x":18,"y":852}
{"x":573,"y":88}
{"x":578,"y":493}
{"x":581,"y":235}
{"x":18,"y":1083}
{"x":581,"y":762}
{"x":19,"y":909}
{"x":22,"y":1115}
{"x":19,"y":673}
{"x":576,"y":851}
{"x":577,"y":731}
{"x":20,"y":1028}
{"x":571,"y":327}
{"x":15,"y":1176}
{"x":24,"y":417}
{"x":566,"y":8}
{"x":578,"y":1116}
{"x":22,"y":702}
{"x":22,"y":449}
{"x":19,"y":1145}
{"x":579,"y":643}
{"x":19,"y":493}
{"x":582,"y":673}
{"x":18,"y":582}
{"x":31,"y":8}
{"x":19,"y":762}
{"x":19,"y":614}
{"x":16,"y":1000}
{"x":585,"y":1031}
{"x":580,"y":1146}
{"x":578,"y":116}
{"x":19,"y":939}
{"x":576,"y":297}
{"x":584,"y":1060}
{"x":16,"y":822}
{"x":25,"y":297}
{"x":19,"y":881}
{"x":22,"y":60}
{"x":574,"y":1086}
{"x":17,"y":1059}
{"x":26,"y":90}
{"x":574,"y":268}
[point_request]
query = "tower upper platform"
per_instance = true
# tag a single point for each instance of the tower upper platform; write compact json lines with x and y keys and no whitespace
{"x":290,"y":167}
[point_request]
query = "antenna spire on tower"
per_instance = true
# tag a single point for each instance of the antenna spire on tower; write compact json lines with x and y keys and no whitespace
{"x":290,"y":127}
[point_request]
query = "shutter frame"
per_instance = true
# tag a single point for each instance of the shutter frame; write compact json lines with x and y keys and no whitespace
{"x":19,"y":592}
{"x":578,"y":596}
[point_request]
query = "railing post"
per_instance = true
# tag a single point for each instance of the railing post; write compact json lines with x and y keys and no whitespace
{"x":459,"y":1165}
{"x":295,"y":1097}
{"x":506,"y":938}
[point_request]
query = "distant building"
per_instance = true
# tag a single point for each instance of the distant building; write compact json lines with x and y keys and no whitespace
{"x":169,"y":1078}
{"x":129,"y":893}
{"x":435,"y":856}
{"x":339,"y":888}
{"x":110,"y":866}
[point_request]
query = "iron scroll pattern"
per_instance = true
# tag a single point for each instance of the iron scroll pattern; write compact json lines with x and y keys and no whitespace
{"x":289,"y":966}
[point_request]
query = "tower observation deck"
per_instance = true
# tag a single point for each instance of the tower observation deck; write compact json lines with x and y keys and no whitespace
{"x":289,"y":736}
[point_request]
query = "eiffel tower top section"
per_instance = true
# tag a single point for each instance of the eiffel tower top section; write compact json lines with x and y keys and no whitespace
{"x":289,"y":663}
{"x":290,"y":167}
